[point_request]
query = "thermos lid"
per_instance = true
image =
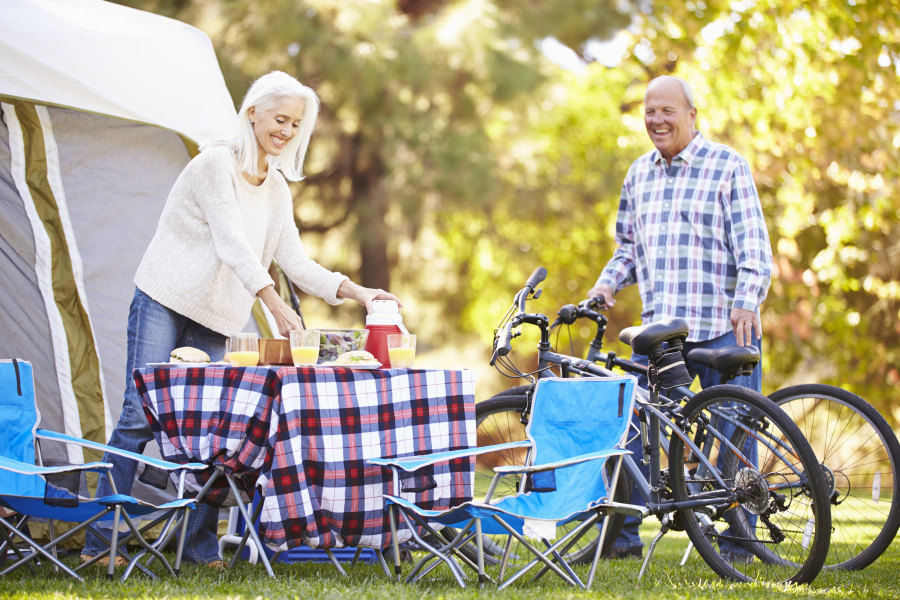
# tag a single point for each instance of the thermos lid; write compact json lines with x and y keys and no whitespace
{"x":385,"y":306}
{"x":385,"y":312}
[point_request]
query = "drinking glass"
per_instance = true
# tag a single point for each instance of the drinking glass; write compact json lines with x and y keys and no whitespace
{"x":401,"y":350}
{"x":243,"y":350}
{"x":305,"y":347}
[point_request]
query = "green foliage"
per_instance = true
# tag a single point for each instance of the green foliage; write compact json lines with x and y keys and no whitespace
{"x":451,"y":158}
{"x":809,"y":98}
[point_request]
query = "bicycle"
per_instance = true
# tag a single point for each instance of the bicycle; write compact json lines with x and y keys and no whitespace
{"x":856,"y":447}
{"x":777,"y":511}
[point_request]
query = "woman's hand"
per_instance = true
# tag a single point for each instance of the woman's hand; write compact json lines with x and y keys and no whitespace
{"x":364,"y":296}
{"x":285,"y":317}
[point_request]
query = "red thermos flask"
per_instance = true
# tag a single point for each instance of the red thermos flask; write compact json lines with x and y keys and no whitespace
{"x":384,"y":320}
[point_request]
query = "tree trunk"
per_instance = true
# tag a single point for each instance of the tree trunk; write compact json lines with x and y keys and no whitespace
{"x":371,"y":229}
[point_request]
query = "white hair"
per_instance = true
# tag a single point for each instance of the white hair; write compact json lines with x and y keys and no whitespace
{"x":265,"y":93}
{"x":688,"y":92}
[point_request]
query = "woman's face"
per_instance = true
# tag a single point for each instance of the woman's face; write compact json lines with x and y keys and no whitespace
{"x":275,"y":127}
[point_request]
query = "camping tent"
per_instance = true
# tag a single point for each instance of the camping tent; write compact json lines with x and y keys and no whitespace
{"x":102,"y":107}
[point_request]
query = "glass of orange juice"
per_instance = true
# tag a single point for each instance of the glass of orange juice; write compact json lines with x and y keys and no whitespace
{"x":401,"y":350}
{"x":305,"y":347}
{"x":243,"y":350}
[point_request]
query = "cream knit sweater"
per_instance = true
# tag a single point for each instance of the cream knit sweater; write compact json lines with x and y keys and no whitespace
{"x":216,"y":239}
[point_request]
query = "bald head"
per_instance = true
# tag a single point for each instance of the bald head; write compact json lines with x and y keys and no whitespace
{"x":673,"y":83}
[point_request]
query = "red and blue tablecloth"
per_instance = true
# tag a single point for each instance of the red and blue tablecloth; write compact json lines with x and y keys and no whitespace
{"x":303,"y":435}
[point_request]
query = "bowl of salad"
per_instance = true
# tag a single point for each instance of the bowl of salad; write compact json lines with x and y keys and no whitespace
{"x":334,"y":342}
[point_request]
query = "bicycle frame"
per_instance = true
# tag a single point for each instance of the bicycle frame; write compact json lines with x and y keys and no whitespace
{"x":595,"y":355}
{"x":649,"y":402}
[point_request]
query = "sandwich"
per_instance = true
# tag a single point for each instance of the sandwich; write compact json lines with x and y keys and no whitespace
{"x":188,"y":355}
{"x":357,"y":357}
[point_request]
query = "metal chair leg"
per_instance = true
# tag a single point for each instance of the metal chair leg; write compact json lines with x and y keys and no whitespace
{"x":479,"y":543}
{"x":334,"y":561}
{"x":539,"y":556}
{"x":562,"y":563}
{"x":454,"y":568}
{"x":180,"y":548}
{"x":52,"y":533}
{"x":383,"y":563}
{"x":598,"y":550}
{"x":251,"y":525}
{"x":38,"y":549}
{"x":355,"y":557}
{"x":505,"y":561}
{"x":114,"y":543}
{"x":254,"y":554}
{"x":8,"y":541}
{"x":147,"y":547}
{"x":392,"y":517}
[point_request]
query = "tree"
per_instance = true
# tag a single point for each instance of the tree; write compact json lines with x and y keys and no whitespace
{"x":809,"y":98}
{"x":407,"y":90}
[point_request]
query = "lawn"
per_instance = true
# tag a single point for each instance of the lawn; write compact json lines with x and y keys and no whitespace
{"x":618,"y":579}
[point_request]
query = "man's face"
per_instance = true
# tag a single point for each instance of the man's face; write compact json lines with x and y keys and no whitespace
{"x":668,"y":118}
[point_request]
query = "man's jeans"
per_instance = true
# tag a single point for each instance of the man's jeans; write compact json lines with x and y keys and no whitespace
{"x":708,"y":378}
{"x":153,"y":332}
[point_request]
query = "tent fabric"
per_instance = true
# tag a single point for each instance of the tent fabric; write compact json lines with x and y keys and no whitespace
{"x":97,"y":102}
{"x":112,"y":60}
{"x":116,"y":176}
{"x":35,"y":172}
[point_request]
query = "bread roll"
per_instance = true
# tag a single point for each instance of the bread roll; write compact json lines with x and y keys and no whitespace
{"x":188,"y":355}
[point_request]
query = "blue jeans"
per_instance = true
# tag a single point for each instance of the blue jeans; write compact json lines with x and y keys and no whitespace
{"x":153,"y":332}
{"x":708,"y":377}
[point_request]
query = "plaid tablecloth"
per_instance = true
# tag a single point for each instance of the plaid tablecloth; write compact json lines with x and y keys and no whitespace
{"x":303,"y":435}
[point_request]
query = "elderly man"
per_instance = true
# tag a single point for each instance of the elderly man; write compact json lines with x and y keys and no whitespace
{"x":692,"y":235}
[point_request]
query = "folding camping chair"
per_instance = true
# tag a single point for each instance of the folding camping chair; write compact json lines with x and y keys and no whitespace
{"x":575,"y":426}
{"x":52,"y":493}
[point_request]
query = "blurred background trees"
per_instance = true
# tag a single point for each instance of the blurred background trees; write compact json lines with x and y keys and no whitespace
{"x":453,"y":156}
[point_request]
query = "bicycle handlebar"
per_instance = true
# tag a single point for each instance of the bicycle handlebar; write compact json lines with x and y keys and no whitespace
{"x":504,"y":335}
{"x":539,"y":275}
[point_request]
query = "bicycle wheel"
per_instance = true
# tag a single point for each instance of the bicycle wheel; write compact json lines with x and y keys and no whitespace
{"x":498,"y":421}
{"x":859,"y":453}
{"x":778,"y":526}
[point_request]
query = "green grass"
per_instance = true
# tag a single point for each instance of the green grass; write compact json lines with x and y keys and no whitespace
{"x":616,"y":579}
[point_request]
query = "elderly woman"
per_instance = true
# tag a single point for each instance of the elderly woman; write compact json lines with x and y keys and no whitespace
{"x":228,"y":215}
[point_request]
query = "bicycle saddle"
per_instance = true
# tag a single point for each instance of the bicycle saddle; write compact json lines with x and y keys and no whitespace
{"x":725,"y":359}
{"x":645,"y":338}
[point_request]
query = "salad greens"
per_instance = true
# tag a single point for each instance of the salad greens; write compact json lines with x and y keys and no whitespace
{"x":334,"y":342}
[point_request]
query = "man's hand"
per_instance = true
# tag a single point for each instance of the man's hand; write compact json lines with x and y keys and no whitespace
{"x":605,"y":291}
{"x":285,"y":317}
{"x":364,"y":296}
{"x":744,"y":323}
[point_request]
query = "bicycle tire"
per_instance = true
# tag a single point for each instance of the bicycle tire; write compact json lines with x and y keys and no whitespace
{"x":837,"y":438}
{"x":511,"y":404}
{"x":785,"y":485}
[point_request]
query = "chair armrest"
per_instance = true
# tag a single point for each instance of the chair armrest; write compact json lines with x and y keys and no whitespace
{"x":8,"y":464}
{"x":411,"y":463}
{"x":506,"y":470}
{"x":154,"y":462}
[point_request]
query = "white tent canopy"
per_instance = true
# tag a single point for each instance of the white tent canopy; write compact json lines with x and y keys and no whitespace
{"x":111,"y":60}
{"x":101,"y":108}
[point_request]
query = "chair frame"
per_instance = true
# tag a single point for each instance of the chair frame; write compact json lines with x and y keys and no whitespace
{"x":175,"y":517}
{"x":548,"y":557}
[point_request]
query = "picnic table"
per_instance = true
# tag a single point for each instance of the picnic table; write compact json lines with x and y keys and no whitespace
{"x":302,"y":436}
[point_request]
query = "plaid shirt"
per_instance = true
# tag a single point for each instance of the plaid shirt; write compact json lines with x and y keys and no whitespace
{"x":693,"y":237}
